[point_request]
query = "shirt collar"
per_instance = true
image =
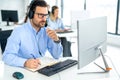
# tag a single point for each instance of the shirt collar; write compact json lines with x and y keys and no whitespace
{"x":32,"y":28}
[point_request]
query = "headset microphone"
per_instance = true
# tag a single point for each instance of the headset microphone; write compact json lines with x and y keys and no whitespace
{"x":46,"y":23}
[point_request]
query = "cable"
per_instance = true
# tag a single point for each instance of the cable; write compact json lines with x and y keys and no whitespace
{"x":113,"y":66}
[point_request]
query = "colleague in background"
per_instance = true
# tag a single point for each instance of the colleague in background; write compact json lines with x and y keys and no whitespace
{"x":55,"y":23}
{"x":30,"y":41}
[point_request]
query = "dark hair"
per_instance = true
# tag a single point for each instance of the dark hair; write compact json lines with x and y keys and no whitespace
{"x":54,"y":8}
{"x":32,"y":7}
{"x":36,"y":3}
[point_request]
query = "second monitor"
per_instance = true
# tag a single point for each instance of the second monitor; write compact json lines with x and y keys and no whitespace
{"x":9,"y":16}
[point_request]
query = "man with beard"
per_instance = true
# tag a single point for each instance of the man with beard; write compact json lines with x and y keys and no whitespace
{"x":30,"y":41}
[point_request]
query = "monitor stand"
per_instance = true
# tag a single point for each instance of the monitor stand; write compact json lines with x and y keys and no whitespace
{"x":8,"y":23}
{"x":105,"y":70}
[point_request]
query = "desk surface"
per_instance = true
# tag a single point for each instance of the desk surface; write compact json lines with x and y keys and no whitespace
{"x":68,"y":74}
{"x":8,"y":27}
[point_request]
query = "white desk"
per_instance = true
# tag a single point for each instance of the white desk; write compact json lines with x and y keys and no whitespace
{"x":8,"y":27}
{"x":69,"y":74}
{"x":28,"y":75}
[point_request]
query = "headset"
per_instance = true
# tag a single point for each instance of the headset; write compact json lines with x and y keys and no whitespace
{"x":31,"y":12}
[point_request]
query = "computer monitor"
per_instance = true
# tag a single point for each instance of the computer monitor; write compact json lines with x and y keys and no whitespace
{"x":92,"y":37}
{"x":9,"y":16}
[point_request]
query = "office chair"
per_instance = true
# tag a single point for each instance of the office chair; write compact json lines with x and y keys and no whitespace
{"x":66,"y":47}
{"x":3,"y":38}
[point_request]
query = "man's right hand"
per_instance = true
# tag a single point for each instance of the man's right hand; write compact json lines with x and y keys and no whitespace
{"x":32,"y":63}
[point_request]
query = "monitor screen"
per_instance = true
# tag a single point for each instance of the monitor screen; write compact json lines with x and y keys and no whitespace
{"x":9,"y":16}
{"x":92,"y":34}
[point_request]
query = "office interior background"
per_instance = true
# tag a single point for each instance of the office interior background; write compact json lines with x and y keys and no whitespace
{"x":70,"y":9}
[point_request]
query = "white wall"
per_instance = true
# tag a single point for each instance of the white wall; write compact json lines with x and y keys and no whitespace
{"x":13,"y":5}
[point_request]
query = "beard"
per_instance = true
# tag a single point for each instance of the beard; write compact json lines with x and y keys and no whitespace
{"x":39,"y":24}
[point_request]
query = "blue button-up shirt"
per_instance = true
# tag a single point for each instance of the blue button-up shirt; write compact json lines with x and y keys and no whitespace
{"x":25,"y":42}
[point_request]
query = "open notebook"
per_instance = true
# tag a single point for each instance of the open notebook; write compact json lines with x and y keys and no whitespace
{"x":45,"y":61}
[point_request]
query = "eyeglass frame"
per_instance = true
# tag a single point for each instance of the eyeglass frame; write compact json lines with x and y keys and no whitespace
{"x":40,"y":15}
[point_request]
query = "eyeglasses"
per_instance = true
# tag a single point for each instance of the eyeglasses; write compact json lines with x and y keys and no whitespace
{"x":40,"y":15}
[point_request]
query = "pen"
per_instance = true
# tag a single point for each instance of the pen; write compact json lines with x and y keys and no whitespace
{"x":35,"y":58}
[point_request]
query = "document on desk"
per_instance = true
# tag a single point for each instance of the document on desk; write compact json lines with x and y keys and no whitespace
{"x":45,"y":61}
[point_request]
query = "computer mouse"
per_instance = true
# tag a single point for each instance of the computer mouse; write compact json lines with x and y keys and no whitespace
{"x":18,"y":75}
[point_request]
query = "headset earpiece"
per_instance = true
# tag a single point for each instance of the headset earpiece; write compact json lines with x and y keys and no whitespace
{"x":52,"y":10}
{"x":30,"y":14}
{"x":30,"y":11}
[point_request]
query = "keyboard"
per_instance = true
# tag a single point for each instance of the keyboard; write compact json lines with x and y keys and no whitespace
{"x":66,"y":31}
{"x":55,"y":68}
